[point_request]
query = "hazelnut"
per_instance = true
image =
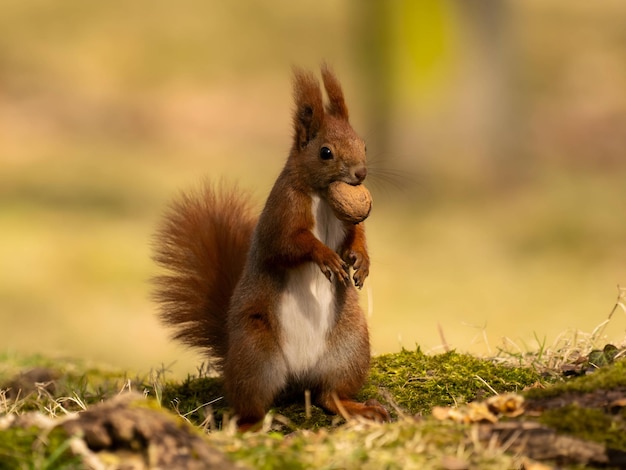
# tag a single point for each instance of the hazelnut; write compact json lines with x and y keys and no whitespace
{"x":350,"y":203}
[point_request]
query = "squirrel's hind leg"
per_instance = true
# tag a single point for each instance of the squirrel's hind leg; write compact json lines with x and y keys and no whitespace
{"x":252,"y":393}
{"x":254,"y":374}
{"x":346,"y":367}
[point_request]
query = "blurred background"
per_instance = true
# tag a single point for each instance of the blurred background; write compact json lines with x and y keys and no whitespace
{"x":496,"y":133}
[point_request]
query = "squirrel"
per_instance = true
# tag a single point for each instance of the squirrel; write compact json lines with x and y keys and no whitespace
{"x":271,"y":300}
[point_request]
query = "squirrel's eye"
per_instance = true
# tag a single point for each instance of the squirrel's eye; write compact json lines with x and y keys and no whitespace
{"x":326,"y":153}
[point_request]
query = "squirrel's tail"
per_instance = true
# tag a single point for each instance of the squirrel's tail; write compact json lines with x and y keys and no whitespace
{"x":203,"y":244}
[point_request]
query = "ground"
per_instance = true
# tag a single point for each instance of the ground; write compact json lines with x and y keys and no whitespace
{"x":450,"y":411}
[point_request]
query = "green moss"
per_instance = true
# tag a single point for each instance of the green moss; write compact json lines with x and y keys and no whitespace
{"x":418,"y":381}
{"x":580,"y":407}
{"x":296,"y":414}
{"x":192,"y":397}
{"x":414,"y":380}
{"x":606,"y":378}
{"x":407,"y":443}
{"x":16,"y":445}
{"x":588,"y":423}
{"x":70,"y":389}
{"x":19,"y":446}
{"x":195,"y":397}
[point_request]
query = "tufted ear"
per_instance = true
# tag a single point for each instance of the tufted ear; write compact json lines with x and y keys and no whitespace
{"x":309,"y":112}
{"x":336,"y":105}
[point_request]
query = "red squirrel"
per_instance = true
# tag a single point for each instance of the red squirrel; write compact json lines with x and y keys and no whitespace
{"x":271,"y":300}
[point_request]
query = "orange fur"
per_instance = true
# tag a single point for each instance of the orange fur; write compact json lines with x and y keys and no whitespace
{"x":252,"y":293}
{"x":203,"y":243}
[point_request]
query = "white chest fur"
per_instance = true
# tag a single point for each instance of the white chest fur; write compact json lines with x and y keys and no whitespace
{"x":307,"y":306}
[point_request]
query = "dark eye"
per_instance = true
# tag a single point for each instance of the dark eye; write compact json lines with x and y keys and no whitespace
{"x":326,"y":153}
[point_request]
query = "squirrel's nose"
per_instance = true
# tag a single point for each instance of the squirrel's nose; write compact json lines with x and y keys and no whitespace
{"x":360,"y":173}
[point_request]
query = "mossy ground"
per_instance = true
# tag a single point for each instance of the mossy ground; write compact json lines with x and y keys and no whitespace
{"x":29,"y":449}
{"x":591,"y":406}
{"x":417,"y":382}
{"x":409,"y":383}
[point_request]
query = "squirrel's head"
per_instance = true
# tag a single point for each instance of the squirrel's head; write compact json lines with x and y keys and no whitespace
{"x":325,"y":147}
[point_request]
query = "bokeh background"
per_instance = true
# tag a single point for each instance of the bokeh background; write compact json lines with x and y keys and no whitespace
{"x":496,"y":132}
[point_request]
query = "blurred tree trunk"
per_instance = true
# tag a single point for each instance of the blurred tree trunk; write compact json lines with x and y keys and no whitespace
{"x":420,"y":40}
{"x":373,"y":46}
{"x":493,"y":107}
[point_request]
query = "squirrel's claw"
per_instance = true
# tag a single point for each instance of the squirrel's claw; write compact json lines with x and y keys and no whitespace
{"x":333,"y":264}
{"x":358,"y":280}
{"x":361,"y":264}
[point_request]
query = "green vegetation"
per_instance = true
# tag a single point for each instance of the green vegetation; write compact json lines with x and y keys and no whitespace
{"x":406,"y":444}
{"x":59,"y":386}
{"x":410,"y":382}
{"x":417,"y":382}
{"x":28,"y":448}
{"x":589,"y":423}
{"x":608,"y":377}
{"x":592,"y":406}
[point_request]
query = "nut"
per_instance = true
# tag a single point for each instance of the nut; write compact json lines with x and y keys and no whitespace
{"x":350,"y":203}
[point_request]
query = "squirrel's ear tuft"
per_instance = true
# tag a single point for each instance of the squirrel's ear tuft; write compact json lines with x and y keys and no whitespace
{"x":309,"y":112}
{"x":336,"y":103}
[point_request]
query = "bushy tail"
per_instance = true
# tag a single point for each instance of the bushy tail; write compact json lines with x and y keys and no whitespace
{"x":202,"y":243}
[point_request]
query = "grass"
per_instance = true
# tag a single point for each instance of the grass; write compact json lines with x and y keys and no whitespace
{"x":20,"y":448}
{"x":423,"y":442}
{"x":411,"y":383}
{"x":405,"y":444}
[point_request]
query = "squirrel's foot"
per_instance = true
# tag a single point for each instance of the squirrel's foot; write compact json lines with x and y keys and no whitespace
{"x":376,"y":411}
{"x":249,"y":424}
{"x":371,"y":409}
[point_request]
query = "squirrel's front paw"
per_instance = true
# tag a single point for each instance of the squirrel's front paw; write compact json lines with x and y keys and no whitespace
{"x":331,"y":263}
{"x":360,"y":262}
